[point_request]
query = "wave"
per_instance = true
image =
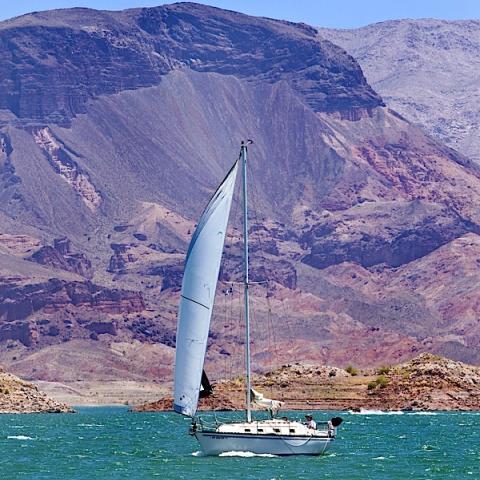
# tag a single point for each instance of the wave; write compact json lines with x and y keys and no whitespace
{"x":364,"y":411}
{"x":236,"y":454}
{"x":246,"y":454}
{"x":19,"y":437}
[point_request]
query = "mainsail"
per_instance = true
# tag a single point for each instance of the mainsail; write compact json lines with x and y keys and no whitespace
{"x":198,"y":293}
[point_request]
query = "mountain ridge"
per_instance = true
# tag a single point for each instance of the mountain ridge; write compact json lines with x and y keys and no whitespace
{"x":156,"y":51}
{"x":426,"y":70}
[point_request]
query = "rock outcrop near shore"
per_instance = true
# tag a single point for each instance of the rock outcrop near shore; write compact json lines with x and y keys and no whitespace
{"x":19,"y":396}
{"x":428,"y":382}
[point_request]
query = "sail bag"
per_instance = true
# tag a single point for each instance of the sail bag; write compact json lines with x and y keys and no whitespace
{"x":198,"y":293}
{"x":260,"y":401}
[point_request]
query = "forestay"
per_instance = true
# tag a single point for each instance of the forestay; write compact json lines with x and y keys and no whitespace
{"x":198,"y":293}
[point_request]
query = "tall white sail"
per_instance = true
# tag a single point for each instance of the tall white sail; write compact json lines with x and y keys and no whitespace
{"x":198,"y":293}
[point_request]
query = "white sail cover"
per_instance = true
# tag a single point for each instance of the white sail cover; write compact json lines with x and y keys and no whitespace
{"x":261,"y":401}
{"x":198,"y":293}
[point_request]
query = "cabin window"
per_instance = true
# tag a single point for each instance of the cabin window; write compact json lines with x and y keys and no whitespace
{"x":247,"y":430}
{"x":276,"y":430}
{"x":260,"y":430}
{"x":292,"y":430}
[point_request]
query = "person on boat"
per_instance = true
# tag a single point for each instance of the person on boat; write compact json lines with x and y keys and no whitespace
{"x":311,"y":423}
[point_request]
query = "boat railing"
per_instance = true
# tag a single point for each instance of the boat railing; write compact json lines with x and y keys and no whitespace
{"x":209,"y":423}
{"x":213,"y":421}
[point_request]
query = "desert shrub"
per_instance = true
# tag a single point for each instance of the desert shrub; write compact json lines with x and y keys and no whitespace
{"x":382,"y":381}
{"x":351,"y":370}
{"x":384,"y":370}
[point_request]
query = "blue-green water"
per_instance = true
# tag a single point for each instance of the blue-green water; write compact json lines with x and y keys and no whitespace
{"x":110,"y":443}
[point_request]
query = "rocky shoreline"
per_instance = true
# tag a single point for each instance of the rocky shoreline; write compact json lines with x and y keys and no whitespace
{"x":20,"y":396}
{"x":427,"y":382}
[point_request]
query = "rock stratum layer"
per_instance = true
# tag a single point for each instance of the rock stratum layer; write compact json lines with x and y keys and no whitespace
{"x":427,"y":382}
{"x":116,"y":127}
{"x":427,"y":70}
{"x":107,"y":52}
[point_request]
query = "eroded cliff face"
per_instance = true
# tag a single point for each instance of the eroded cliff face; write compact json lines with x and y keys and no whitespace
{"x":108,"y":52}
{"x":36,"y":314}
{"x":349,"y":202}
{"x":61,"y":256}
{"x":64,"y":165}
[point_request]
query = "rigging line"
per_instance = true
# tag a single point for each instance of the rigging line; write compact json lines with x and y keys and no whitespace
{"x":250,"y":283}
{"x":260,"y":325}
{"x":241,"y":335}
{"x":275,"y":346}
{"x":257,"y":233}
{"x":256,"y":324}
{"x":225,"y":313}
{"x":232,"y":334}
{"x":254,"y":197}
{"x":237,"y":321}
{"x":270,"y":326}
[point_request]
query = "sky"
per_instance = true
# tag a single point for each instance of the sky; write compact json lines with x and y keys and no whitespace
{"x":325,"y":13}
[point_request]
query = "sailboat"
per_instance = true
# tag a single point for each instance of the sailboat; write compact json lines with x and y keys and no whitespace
{"x":277,"y":436}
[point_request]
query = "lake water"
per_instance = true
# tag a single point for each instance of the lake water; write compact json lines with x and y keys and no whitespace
{"x":110,"y":443}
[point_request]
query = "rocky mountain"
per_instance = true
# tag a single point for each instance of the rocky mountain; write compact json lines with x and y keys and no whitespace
{"x":116,"y":127}
{"x":427,"y":70}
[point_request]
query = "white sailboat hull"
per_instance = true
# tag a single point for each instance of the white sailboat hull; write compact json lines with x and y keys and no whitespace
{"x":215,"y":443}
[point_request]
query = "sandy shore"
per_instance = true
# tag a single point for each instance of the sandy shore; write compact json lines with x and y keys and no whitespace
{"x":103,"y":393}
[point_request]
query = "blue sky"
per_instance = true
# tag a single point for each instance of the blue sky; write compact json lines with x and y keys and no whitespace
{"x":328,"y":13}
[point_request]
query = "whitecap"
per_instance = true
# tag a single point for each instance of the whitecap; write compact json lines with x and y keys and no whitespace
{"x":246,"y":454}
{"x":379,"y":458}
{"x":198,"y":454}
{"x":364,"y":411}
{"x":19,"y":437}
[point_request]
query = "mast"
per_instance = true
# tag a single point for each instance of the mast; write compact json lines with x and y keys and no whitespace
{"x":243,"y":156}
